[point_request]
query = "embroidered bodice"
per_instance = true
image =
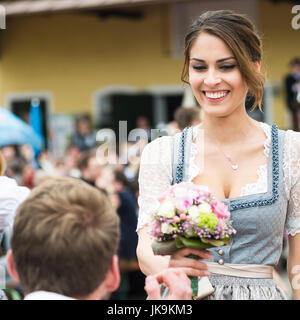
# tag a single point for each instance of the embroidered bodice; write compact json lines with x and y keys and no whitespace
{"x":156,"y":174}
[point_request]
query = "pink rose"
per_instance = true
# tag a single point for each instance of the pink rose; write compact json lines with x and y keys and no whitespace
{"x":156,"y":228}
{"x":220,"y":209}
{"x":183,"y":216}
{"x":176,"y":219}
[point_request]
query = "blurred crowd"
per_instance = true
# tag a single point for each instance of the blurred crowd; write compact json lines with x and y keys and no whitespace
{"x":114,"y":171}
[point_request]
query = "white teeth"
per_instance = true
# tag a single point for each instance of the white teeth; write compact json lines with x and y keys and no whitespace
{"x":216,"y":95}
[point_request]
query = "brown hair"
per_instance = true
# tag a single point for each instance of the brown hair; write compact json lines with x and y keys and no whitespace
{"x":64,"y":237}
{"x":2,"y":164}
{"x":83,"y":163}
{"x":295,"y":61}
{"x":185,"y":116}
{"x":239,"y":34}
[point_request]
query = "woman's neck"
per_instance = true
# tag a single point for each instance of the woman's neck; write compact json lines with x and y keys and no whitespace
{"x":229,"y":130}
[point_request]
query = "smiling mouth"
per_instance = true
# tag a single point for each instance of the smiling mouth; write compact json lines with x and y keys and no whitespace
{"x":216,"y":95}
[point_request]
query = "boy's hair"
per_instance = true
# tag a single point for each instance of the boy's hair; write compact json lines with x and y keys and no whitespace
{"x":64,"y":237}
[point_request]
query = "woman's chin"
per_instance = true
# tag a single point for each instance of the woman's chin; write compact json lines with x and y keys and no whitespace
{"x":217,"y":111}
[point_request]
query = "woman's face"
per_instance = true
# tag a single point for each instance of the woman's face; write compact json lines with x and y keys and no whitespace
{"x":215,"y":78}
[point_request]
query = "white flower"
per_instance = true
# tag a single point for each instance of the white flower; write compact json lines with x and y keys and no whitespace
{"x":205,"y":208}
{"x":167,"y":209}
{"x":166,"y":228}
{"x":194,"y":212}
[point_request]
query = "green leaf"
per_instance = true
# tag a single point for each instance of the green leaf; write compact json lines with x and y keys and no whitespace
{"x":164,"y":248}
{"x":216,"y":243}
{"x":194,"y":243}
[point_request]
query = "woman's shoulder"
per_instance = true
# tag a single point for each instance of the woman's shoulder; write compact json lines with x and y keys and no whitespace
{"x":290,"y":134}
{"x":161,"y":143}
{"x":292,"y":142}
{"x":157,"y":151}
{"x":294,"y":135}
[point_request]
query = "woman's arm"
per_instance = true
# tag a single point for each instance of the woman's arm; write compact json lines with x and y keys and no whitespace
{"x":293,"y":265}
{"x":148,"y":262}
{"x":151,"y":264}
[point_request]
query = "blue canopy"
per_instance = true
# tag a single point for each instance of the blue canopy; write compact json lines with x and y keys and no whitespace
{"x":13,"y":130}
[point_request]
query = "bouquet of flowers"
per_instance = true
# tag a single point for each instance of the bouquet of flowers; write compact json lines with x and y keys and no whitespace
{"x":188,"y":215}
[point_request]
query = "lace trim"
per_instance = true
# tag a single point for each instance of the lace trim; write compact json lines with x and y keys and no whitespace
{"x":261,"y":184}
{"x":193,"y":169}
{"x":275,"y":173}
{"x":275,"y":178}
{"x":292,"y":225}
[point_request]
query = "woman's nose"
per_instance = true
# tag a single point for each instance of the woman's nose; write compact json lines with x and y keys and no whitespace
{"x":212,"y":79}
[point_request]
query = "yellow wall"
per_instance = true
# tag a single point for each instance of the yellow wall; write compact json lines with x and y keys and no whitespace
{"x":281,"y":44}
{"x":72,"y":55}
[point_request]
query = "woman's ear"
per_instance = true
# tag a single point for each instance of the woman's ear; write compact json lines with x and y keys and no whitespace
{"x":11,"y":266}
{"x":257,"y":65}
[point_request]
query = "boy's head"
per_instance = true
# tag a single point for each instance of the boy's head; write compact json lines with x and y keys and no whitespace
{"x":65,"y":240}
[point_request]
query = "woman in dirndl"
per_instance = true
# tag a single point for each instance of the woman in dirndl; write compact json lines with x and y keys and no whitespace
{"x":253,"y":167}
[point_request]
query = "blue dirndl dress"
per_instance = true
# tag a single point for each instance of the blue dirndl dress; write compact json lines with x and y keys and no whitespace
{"x":259,"y":220}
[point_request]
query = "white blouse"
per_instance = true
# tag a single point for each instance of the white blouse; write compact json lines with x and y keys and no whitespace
{"x":155,"y":175}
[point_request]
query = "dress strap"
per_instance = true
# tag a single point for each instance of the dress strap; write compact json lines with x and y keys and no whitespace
{"x":181,"y":149}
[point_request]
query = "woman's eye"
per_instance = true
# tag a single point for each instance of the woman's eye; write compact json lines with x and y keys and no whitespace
{"x":199,"y":67}
{"x":228,"y":67}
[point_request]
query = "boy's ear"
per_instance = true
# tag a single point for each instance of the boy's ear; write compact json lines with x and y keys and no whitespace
{"x":11,"y":266}
{"x":112,"y":278}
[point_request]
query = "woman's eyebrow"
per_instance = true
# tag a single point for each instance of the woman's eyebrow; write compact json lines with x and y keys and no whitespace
{"x":220,"y":60}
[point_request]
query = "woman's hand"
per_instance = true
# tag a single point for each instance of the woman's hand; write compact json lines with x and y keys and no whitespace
{"x":190,"y":266}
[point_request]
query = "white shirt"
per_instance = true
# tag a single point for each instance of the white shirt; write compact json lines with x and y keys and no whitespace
{"x":11,"y":196}
{"x":46,"y":295}
{"x":155,"y":175}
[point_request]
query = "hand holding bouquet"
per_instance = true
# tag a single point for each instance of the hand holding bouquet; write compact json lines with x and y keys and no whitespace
{"x":188,"y":215}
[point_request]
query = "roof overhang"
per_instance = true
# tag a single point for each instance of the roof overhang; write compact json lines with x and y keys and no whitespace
{"x":29,"y":7}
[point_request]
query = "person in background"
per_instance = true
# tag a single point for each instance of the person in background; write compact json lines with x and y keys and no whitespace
{"x":132,"y":280}
{"x":9,"y":152}
{"x":15,"y":168}
{"x":172,"y":128}
{"x":292,"y":90}
{"x":90,"y":168}
{"x":143,"y":123}
{"x":187,"y":117}
{"x":64,"y":246}
{"x":84,"y":138}
{"x":98,"y":176}
{"x":11,"y":196}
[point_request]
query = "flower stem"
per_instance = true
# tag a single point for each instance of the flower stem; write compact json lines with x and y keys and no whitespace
{"x":194,"y":280}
